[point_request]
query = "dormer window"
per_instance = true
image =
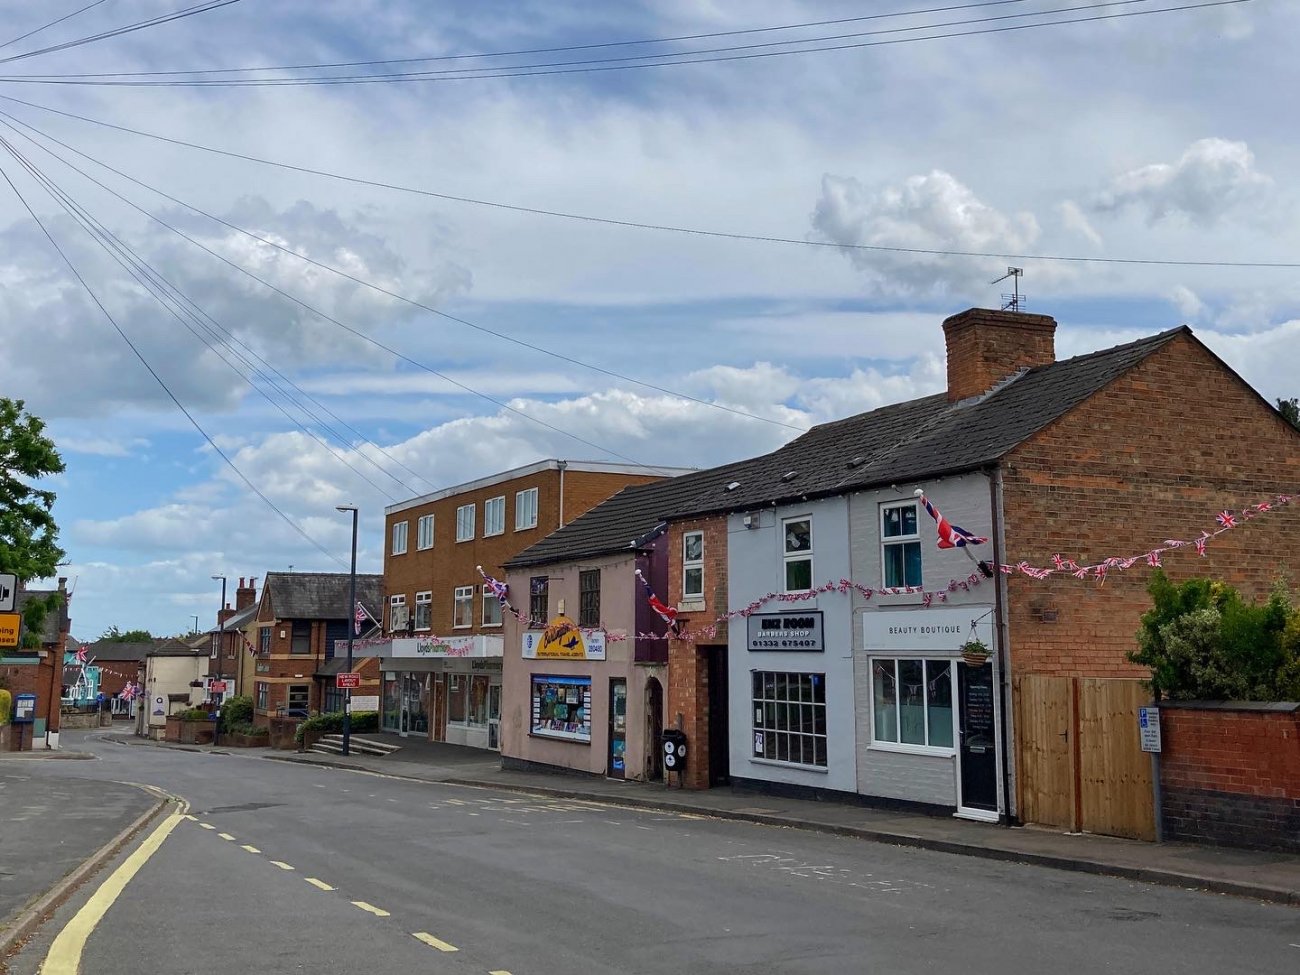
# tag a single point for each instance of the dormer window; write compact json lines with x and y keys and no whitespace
{"x":798,"y":554}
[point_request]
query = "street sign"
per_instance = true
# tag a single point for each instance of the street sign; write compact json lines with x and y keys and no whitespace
{"x":347,"y":680}
{"x":11,"y":627}
{"x":1149,"y":728}
{"x":218,"y":687}
{"x":8,"y":591}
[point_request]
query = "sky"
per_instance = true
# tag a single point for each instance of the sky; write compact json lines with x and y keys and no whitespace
{"x":1146,"y":138}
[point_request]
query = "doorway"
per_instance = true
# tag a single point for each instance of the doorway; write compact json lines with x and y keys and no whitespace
{"x":654,"y":726}
{"x":494,"y":717}
{"x":616,"y":766}
{"x":978,"y":749}
{"x":719,"y":744}
{"x":413,"y":718}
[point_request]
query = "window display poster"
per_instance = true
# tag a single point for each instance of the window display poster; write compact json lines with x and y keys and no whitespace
{"x":561,"y":708}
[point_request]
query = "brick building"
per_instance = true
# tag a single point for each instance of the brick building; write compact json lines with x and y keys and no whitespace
{"x":226,"y":647}
{"x":442,"y":662}
{"x":39,"y":671}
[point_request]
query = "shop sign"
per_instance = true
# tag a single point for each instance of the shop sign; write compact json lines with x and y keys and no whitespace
{"x":444,"y":647}
{"x":786,"y":631}
{"x":926,"y":630}
{"x":365,"y":702}
{"x":489,"y":664}
{"x":562,"y":640}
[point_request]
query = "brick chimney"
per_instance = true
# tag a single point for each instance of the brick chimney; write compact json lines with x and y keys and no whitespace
{"x":246,"y":594}
{"x":986,"y":346}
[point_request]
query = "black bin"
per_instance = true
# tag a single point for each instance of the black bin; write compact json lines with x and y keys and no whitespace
{"x":674,"y":745}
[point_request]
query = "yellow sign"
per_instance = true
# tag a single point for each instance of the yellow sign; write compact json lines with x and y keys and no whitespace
{"x":563,"y":640}
{"x":11,"y":628}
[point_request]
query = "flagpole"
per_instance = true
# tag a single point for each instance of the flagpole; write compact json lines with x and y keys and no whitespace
{"x":352,"y":629}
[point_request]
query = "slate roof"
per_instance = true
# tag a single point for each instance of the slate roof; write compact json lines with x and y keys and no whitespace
{"x":54,"y":620}
{"x":319,"y":595}
{"x":114,"y":650}
{"x":246,"y":615}
{"x":925,"y":437}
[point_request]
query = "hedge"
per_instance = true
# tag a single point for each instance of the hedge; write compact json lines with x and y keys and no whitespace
{"x":6,"y":707}
{"x":332,"y":723}
{"x":236,"y":711}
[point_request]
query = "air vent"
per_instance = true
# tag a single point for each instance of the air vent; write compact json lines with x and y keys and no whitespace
{"x":789,"y":475}
{"x":857,"y":461}
{"x":732,"y":486}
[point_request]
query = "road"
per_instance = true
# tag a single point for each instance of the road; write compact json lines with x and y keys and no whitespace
{"x":289,"y":868}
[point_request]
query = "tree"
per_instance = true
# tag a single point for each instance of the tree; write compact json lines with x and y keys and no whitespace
{"x":114,"y":635}
{"x":28,"y":533}
{"x":1290,"y":410}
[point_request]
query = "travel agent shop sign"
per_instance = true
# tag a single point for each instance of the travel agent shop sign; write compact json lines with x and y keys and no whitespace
{"x":787,"y":631}
{"x":928,"y":630}
{"x":562,"y":640}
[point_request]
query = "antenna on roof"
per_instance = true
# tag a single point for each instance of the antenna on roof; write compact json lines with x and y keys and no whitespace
{"x":1013,"y":301}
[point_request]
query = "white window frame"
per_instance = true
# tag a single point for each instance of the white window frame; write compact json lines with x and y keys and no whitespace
{"x":525,"y":509}
{"x":424,"y":601}
{"x":903,"y":747}
{"x":393,"y":603}
{"x":464,"y":595}
{"x":262,"y":701}
{"x":689,"y":564}
{"x":423,"y":538}
{"x":494,"y":516}
{"x":892,"y":540}
{"x":490,"y":599}
{"x":399,"y":537}
{"x":465,"y":516}
{"x":804,"y":555}
{"x":782,"y":705}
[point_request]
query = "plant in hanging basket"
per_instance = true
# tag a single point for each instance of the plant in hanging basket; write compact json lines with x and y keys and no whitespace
{"x":975,"y":652}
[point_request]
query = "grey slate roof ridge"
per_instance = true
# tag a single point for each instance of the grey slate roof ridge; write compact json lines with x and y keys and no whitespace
{"x":319,"y":595}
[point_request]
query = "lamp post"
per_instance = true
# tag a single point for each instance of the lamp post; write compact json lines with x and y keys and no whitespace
{"x":221,"y":632}
{"x":352,"y":626}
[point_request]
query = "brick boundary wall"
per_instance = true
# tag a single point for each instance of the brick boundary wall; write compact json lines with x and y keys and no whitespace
{"x":1230,"y":774}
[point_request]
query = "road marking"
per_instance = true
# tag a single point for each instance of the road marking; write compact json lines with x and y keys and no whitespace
{"x":433,"y":942}
{"x":225,"y":836}
{"x":376,"y":911}
{"x":250,"y":849}
{"x":499,"y":972}
{"x":318,"y":883}
{"x":282,"y":865}
{"x":207,"y":825}
{"x":192,"y":819}
{"x":458,"y":802}
{"x":65,"y":953}
{"x":392,"y":800}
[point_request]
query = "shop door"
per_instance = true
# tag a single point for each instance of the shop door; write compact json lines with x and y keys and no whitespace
{"x":719,"y":746}
{"x":414,"y":720}
{"x":494,"y":717}
{"x":979,"y":754}
{"x":617,"y":765}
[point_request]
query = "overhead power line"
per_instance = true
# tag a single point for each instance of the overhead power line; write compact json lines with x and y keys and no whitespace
{"x":677,"y":394}
{"x":52,"y":23}
{"x":540,"y":69}
{"x":153,"y":372}
{"x":644,"y":225}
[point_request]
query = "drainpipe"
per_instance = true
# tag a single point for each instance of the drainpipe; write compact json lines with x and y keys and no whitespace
{"x":1003,"y":638}
{"x":562,"y":464}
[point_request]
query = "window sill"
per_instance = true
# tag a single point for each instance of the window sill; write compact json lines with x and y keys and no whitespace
{"x":524,"y":528}
{"x":494,"y":534}
{"x":490,"y":626}
{"x":691,"y":604}
{"x":402,"y":552}
{"x":571,"y":739}
{"x":470,"y":539}
{"x":467,"y":626}
{"x":798,"y":766}
{"x":902,"y":749}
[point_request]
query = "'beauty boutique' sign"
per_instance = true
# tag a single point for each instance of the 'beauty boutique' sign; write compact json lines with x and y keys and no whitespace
{"x":932,"y":630}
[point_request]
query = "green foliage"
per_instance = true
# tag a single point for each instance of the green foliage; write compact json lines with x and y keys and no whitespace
{"x":1290,"y":410}
{"x":329,"y":724}
{"x":236,"y":711}
{"x":194,"y":714}
{"x":248,"y":729}
{"x":6,"y":707}
{"x":1202,"y":641}
{"x":114,"y":635}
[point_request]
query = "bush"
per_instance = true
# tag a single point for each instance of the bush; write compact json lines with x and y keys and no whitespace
{"x":236,"y":711}
{"x":248,"y":729}
{"x":6,"y":707}
{"x":194,"y":714}
{"x":1202,"y":641}
{"x":332,"y":723}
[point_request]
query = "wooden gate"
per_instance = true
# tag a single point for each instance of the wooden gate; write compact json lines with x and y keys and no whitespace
{"x":1080,"y":764}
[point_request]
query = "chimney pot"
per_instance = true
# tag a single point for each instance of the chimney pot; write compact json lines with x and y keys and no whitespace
{"x":986,"y":346}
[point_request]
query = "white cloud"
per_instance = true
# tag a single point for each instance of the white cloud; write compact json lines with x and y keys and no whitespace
{"x":101,"y":446}
{"x":1075,"y":221}
{"x":1189,"y":305}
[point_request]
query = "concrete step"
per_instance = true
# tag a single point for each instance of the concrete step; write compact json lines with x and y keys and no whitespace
{"x":363,"y":746}
{"x":326,"y":748}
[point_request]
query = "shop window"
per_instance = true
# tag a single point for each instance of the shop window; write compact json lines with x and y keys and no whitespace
{"x":790,"y":718}
{"x":693,"y":565}
{"x":478,"y":700}
{"x":589,"y":598}
{"x":457,"y":697}
{"x":494,"y":516}
{"x":399,"y":537}
{"x":465,"y":522}
{"x":423,"y":610}
{"x":263,"y":693}
{"x":539,"y":598}
{"x":463,"y":609}
{"x":299,"y":700}
{"x":798,"y":545}
{"x":424,"y":532}
{"x":562,"y":708}
{"x":301,"y":642}
{"x":264,"y":641}
{"x":900,"y":545}
{"x":491,"y":608}
{"x":526,"y":509}
{"x":912,"y":703}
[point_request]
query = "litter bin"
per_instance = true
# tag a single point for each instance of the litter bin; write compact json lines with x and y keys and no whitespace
{"x":674,"y":744}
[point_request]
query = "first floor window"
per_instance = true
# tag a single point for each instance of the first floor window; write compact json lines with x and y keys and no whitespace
{"x":465,"y":522}
{"x":398,"y":618}
{"x":526,"y":509}
{"x":399,"y":537}
{"x":589,"y":597}
{"x":900,"y":541}
{"x":463,"y":612}
{"x":693,"y":565}
{"x":424,"y":532}
{"x":491,"y":608}
{"x":423,"y":610}
{"x":264,"y":642}
{"x":494,"y":516}
{"x":912,"y":702}
{"x":798,"y":547}
{"x":790,"y":717}
{"x":263,"y":693}
{"x":539,"y":596}
{"x":299,"y":698}
{"x":301,"y":637}
{"x":562,"y":708}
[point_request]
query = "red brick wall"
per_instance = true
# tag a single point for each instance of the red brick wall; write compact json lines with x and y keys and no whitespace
{"x":1232,"y":776}
{"x":984,"y":346}
{"x":1154,"y":455}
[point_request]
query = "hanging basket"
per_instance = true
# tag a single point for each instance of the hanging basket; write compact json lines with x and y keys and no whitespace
{"x":975,"y":653}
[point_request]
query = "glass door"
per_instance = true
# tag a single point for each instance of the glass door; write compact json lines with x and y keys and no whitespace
{"x":414,"y":718}
{"x":617,"y":767}
{"x":494,"y":717}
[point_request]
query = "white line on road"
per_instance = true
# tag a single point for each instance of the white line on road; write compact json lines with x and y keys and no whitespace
{"x":207,"y":825}
{"x":433,"y":942}
{"x":281,"y":864}
{"x":225,"y":836}
{"x":250,"y":849}
{"x":192,"y":819}
{"x":371,"y":909}
{"x":318,"y":883}
{"x":499,"y":972}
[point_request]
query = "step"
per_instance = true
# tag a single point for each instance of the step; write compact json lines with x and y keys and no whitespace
{"x":364,"y":746}
{"x":327,"y":748}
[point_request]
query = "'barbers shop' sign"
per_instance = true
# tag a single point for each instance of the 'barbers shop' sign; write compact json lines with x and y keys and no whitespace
{"x":787,"y":631}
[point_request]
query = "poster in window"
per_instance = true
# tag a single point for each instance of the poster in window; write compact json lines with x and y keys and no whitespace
{"x":561,"y":708}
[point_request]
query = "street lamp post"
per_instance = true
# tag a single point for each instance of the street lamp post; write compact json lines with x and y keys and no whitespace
{"x":352,"y":625}
{"x":221,"y":633}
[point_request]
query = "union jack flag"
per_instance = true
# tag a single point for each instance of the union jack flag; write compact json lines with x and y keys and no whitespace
{"x":499,"y":588}
{"x":1226,"y":519}
{"x":1153,"y":558}
{"x":360,"y":615}
{"x":1200,"y":545}
{"x":81,"y":654}
{"x":950,"y":535}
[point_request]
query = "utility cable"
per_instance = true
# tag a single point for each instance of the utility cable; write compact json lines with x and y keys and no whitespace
{"x":152,"y":372}
{"x":663,"y":228}
{"x":371,"y":285}
{"x":52,"y":23}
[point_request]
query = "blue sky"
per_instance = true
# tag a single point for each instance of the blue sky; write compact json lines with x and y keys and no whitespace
{"x":1150,"y":137}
